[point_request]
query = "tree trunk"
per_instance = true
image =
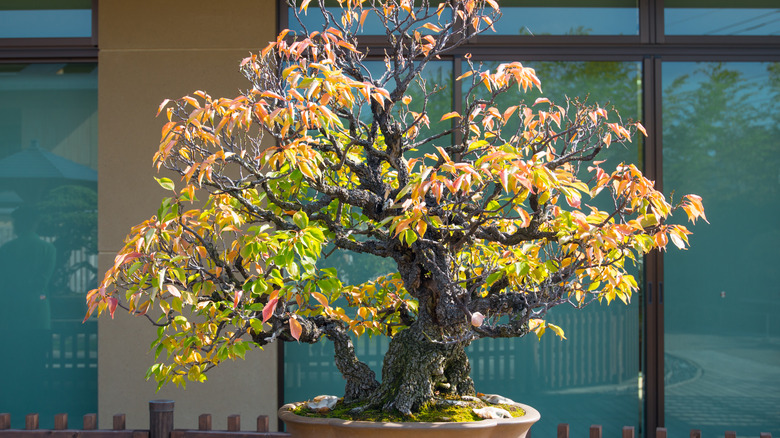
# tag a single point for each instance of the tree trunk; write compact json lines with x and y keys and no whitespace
{"x":415,"y":367}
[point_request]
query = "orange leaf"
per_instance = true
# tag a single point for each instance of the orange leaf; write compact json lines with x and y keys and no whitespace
{"x":295,"y":328}
{"x":269,"y":308}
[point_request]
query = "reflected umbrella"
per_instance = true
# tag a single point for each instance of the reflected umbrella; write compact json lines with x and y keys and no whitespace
{"x":34,"y":171}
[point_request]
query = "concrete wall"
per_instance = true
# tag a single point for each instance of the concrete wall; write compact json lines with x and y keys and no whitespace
{"x":151,"y":50}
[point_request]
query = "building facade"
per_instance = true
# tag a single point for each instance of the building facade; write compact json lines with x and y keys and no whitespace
{"x":699,"y":346}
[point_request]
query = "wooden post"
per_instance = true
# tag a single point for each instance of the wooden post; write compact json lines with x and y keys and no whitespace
{"x":765,"y":435}
{"x":90,"y":422}
{"x":204,"y":422}
{"x":563,"y":430}
{"x":731,"y":434}
{"x":660,"y":432}
{"x":31,"y":422}
{"x":160,"y":418}
{"x":628,"y":432}
{"x":695,"y":433}
{"x":5,"y":421}
{"x":60,"y":421}
{"x":234,"y":423}
{"x":262,"y":423}
{"x":120,"y":422}
{"x":595,"y":431}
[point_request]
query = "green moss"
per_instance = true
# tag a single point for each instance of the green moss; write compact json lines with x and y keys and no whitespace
{"x":429,"y":413}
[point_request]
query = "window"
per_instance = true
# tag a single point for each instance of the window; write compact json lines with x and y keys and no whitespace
{"x":704,"y":81}
{"x":48,"y":209}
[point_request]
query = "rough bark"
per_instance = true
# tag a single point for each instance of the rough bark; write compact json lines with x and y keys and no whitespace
{"x":415,"y":366}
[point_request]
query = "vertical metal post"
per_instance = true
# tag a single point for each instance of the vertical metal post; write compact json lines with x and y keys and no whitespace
{"x":160,"y":418}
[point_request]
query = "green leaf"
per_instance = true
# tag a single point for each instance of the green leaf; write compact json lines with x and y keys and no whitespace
{"x":301,"y":219}
{"x":165,"y":183}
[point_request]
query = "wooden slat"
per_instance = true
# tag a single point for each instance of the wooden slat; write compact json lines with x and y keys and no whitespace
{"x":234,"y":423}
{"x":660,"y":432}
{"x":595,"y":431}
{"x":204,"y":422}
{"x":695,"y":433}
{"x":628,"y":432}
{"x":731,"y":434}
{"x":120,"y":422}
{"x":766,"y":435}
{"x":5,"y":421}
{"x":563,"y":430}
{"x":31,"y":422}
{"x":60,"y":421}
{"x":90,"y":422}
{"x":262,"y":423}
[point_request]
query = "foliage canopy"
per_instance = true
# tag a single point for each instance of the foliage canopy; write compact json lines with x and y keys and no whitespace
{"x":488,"y":219}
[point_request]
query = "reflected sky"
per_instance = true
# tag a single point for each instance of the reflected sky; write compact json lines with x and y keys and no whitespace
{"x":722,"y":21}
{"x":60,"y":23}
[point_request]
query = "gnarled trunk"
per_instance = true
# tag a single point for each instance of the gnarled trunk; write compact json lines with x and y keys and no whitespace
{"x":415,"y":366}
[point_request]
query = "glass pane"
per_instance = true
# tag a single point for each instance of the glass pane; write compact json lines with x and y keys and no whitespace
{"x":593,"y":377}
{"x":529,"y":17}
{"x":48,"y":239}
{"x":45,"y":19}
{"x":722,"y":17}
{"x":569,"y":17}
{"x":722,"y":303}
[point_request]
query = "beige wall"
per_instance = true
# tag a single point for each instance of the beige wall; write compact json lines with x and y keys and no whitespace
{"x":151,"y":50}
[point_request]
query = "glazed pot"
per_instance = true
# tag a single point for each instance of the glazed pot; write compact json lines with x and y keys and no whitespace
{"x":308,"y":427}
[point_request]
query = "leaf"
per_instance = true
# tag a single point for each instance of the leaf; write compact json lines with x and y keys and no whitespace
{"x":165,"y":183}
{"x":295,"y":328}
{"x":269,"y":309}
{"x":450,"y":115}
{"x":557,"y":330}
{"x":301,"y":219}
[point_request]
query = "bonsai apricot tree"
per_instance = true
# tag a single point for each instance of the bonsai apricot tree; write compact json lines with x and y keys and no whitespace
{"x":487,"y":220}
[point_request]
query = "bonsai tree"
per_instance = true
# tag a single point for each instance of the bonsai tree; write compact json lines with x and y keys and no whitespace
{"x":487,"y":219}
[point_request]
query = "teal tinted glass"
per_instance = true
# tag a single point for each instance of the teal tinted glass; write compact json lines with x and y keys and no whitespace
{"x":722,"y":17}
{"x":525,"y":17}
{"x":48,"y":239}
{"x":568,"y":17}
{"x":721,"y":122}
{"x":594,"y":375}
{"x":45,"y":19}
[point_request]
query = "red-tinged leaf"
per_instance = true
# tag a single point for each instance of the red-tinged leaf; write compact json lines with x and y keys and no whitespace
{"x":363,"y":16}
{"x":347,"y":46}
{"x":295,"y":328}
{"x":541,"y":100}
{"x":269,"y":309}
{"x":237,"y":298}
{"x":112,"y":303}
{"x":641,"y":128}
{"x":450,"y":115}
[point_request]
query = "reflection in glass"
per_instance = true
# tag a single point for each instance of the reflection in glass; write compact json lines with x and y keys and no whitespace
{"x":566,"y":17}
{"x":594,"y":373}
{"x":525,"y":17}
{"x":755,"y":17}
{"x":48,"y":239}
{"x":722,"y":302}
{"x":46,"y":19}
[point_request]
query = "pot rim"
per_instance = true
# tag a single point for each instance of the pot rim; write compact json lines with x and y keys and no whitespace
{"x":285,"y":414}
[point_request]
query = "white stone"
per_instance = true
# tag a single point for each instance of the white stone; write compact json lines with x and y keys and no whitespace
{"x":322,"y":403}
{"x":497,"y":399}
{"x":490,"y":412}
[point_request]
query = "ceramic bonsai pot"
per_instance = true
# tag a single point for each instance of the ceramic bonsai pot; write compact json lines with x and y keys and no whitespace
{"x":308,"y":427}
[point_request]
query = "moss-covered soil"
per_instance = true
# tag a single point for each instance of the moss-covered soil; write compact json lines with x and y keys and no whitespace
{"x":433,"y":412}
